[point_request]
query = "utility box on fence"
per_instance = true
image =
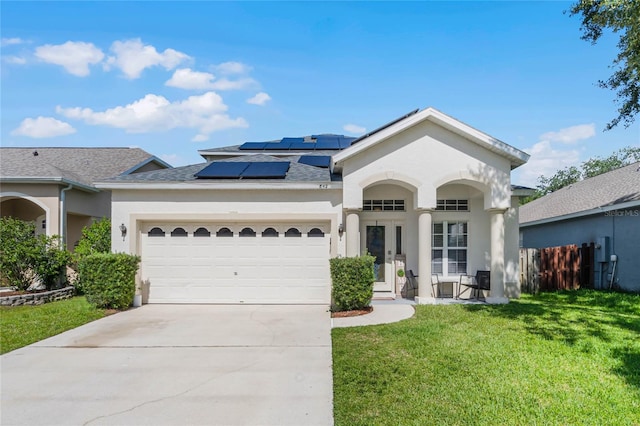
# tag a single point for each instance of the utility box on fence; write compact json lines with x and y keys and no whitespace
{"x":603,"y":250}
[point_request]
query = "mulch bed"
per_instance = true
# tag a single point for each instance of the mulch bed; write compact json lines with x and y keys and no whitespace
{"x":354,"y":313}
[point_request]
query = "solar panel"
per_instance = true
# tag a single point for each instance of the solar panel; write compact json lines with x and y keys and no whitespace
{"x":222,"y":169}
{"x":292,"y":140}
{"x":270,"y":169}
{"x":323,"y":161}
{"x":345,"y":142}
{"x":310,"y":146}
{"x":252,"y":145}
{"x":282,"y":145}
{"x":328,"y":144}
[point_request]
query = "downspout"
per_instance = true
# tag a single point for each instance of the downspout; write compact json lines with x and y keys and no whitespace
{"x":63,"y":216}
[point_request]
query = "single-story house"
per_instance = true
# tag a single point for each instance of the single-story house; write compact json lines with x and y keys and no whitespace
{"x":605,"y":210}
{"x":54,"y":187}
{"x":258,"y":222}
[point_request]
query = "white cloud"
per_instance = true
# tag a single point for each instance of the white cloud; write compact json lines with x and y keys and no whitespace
{"x":200,"y":138}
{"x":243,"y":83}
{"x":43,"y":127}
{"x":6,"y":41}
{"x":75,"y":57}
{"x":206,"y":113}
{"x":185,"y":78}
{"x":259,"y":99}
{"x":228,"y":68}
{"x":132,"y":57}
{"x":545,"y":161}
{"x":17,"y":60}
{"x":571,"y":134}
{"x":354,"y":129}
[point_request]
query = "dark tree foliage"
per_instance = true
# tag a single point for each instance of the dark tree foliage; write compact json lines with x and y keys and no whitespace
{"x":590,"y":168}
{"x":621,"y":17}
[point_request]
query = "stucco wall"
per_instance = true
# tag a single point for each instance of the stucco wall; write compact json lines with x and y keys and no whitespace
{"x":46,"y":195}
{"x":133,"y":207}
{"x":621,"y":226}
{"x":426,"y":157}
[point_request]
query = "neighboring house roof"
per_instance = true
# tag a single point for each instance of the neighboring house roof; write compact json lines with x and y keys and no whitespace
{"x":618,"y":188}
{"x":82,"y":166}
{"x":515,"y":156}
{"x":297,"y":172}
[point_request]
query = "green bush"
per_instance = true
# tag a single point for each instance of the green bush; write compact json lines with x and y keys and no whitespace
{"x":108,"y":279}
{"x":352,"y":279}
{"x":96,"y":238}
{"x":24,"y":257}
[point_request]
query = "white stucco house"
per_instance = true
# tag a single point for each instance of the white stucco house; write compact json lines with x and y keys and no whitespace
{"x":258,"y":222}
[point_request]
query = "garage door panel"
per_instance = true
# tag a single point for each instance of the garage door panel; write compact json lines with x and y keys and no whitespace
{"x":252,"y":269}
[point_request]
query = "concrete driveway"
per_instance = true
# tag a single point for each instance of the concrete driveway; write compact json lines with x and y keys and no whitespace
{"x":177,"y":365}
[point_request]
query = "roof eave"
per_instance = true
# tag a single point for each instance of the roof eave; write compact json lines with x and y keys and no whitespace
{"x":516,"y":157}
{"x":222,"y":185}
{"x":49,"y":180}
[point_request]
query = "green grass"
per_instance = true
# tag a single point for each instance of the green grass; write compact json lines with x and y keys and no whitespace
{"x":23,"y":325}
{"x":554,"y":359}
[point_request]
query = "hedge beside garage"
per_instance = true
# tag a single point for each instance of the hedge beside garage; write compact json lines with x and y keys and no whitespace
{"x":352,"y":282}
{"x":108,"y":279}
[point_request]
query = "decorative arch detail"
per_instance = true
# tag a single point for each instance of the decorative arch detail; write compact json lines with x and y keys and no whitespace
{"x":34,"y":200}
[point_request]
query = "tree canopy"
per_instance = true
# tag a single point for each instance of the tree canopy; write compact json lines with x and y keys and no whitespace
{"x":619,"y":16}
{"x":590,"y":168}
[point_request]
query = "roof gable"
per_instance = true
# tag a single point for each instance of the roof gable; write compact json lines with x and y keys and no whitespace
{"x":514,"y":155}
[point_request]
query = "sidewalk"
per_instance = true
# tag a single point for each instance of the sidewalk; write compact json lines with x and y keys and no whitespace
{"x":388,"y":311}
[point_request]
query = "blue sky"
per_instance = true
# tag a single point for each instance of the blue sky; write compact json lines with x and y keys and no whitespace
{"x":176,"y":77}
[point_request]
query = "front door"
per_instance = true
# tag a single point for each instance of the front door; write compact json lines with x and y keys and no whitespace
{"x":378,"y":239}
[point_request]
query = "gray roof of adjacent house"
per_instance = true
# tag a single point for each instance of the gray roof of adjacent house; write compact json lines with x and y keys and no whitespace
{"x":616,"y":188}
{"x":78,"y":165}
{"x":297,"y":172}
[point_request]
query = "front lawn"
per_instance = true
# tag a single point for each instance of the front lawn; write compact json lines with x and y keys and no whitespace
{"x":23,"y":325}
{"x":556,"y":358}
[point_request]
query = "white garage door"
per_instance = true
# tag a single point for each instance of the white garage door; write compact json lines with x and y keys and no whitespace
{"x":246,"y":263}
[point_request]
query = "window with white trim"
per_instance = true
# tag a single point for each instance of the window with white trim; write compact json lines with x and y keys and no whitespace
{"x":383,"y":205}
{"x":449,"y":248}
{"x":452,"y":205}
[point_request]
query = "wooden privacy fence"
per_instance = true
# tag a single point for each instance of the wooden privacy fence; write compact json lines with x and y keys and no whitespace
{"x":556,"y":268}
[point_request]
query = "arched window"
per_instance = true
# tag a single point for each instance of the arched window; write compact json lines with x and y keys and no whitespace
{"x":179,"y":232}
{"x":202,"y":232}
{"x":292,"y":232}
{"x":224,"y":232}
{"x":315,"y":232}
{"x":247,"y":232}
{"x":270,"y":232}
{"x":155,"y":232}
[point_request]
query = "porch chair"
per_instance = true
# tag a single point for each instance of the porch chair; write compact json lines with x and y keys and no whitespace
{"x":411,"y":285}
{"x":481,"y":281}
{"x":435,"y":282}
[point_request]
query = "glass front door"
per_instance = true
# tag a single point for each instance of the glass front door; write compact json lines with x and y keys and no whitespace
{"x":378,"y":239}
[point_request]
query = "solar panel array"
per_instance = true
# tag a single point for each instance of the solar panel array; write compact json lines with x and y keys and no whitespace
{"x":244,"y":170}
{"x":323,"y":161}
{"x":317,"y":142}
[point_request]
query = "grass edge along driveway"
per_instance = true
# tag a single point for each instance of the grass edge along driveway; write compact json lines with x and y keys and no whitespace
{"x":555,"y":358}
{"x":23,"y":325}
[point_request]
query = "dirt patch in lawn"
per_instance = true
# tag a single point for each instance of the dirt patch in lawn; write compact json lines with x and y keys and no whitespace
{"x":354,"y":313}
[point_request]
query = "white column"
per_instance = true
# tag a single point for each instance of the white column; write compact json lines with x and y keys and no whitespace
{"x":496,"y":294}
{"x":353,"y":233}
{"x":425,"y":289}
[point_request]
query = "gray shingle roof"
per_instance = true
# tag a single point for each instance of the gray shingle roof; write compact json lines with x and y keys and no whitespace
{"x":608,"y":189}
{"x":297,"y":172}
{"x":82,"y":165}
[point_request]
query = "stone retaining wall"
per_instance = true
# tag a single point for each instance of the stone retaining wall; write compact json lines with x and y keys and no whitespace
{"x":38,"y":298}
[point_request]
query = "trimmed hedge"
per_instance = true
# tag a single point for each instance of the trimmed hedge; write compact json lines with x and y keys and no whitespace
{"x":108,"y":279}
{"x":352,"y":279}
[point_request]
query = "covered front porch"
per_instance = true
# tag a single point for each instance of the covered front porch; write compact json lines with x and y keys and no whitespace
{"x":459,"y":235}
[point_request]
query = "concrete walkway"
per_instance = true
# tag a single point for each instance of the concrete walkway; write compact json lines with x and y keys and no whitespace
{"x":384,"y":312}
{"x":177,"y":365}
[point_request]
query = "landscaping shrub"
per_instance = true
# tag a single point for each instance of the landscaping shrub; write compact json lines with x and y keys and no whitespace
{"x":96,"y":238}
{"x":26,"y":258}
{"x":352,"y":279}
{"x":108,"y":279}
